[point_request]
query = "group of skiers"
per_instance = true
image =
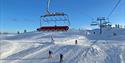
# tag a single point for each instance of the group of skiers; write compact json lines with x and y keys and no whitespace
{"x":61,"y":55}
{"x":50,"y":56}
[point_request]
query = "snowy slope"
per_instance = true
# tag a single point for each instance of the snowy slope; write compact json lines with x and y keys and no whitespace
{"x":107,"y":34}
{"x":33,"y":47}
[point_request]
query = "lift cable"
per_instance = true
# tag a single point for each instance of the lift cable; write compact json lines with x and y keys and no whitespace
{"x":116,"y":5}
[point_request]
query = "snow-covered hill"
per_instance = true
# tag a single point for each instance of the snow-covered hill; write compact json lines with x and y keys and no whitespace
{"x":33,"y":47}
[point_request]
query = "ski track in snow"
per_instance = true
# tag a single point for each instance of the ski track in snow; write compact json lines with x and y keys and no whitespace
{"x":21,"y":54}
{"x":74,"y":57}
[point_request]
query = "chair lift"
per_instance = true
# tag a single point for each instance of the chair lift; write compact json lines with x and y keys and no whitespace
{"x":54,"y":17}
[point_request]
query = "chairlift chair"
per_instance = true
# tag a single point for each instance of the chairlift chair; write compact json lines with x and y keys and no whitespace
{"x":54,"y":17}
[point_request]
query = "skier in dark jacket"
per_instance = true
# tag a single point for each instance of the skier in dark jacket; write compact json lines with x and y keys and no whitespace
{"x":76,"y":41}
{"x":50,"y":54}
{"x":61,"y":58}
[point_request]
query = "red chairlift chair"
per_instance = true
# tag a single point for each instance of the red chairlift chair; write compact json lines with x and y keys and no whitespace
{"x":55,"y":27}
{"x":53,"y":17}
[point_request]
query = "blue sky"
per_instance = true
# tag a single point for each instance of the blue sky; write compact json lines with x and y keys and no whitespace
{"x":17,"y":15}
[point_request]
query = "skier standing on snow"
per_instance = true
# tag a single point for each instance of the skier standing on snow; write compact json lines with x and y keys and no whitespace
{"x":61,"y":58}
{"x":52,"y":40}
{"x":76,"y":42}
{"x":50,"y":54}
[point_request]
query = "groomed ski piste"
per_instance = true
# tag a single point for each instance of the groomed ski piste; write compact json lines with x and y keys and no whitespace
{"x":33,"y":47}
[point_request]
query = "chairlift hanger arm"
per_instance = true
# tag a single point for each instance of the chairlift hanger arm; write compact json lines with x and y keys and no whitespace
{"x":48,"y":13}
{"x":48,"y":5}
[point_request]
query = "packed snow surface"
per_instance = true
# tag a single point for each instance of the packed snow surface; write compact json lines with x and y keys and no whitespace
{"x":92,"y":47}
